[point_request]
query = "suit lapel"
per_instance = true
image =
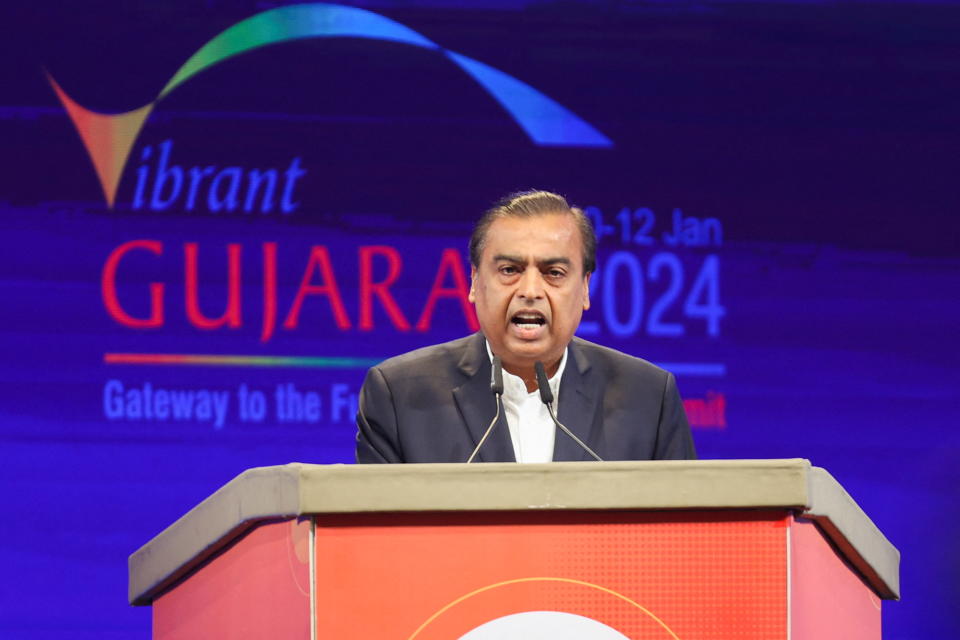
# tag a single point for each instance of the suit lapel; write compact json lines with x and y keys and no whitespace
{"x":478,"y":406}
{"x":579,"y":396}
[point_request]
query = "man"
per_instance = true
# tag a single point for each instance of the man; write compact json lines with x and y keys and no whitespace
{"x":532,"y":256}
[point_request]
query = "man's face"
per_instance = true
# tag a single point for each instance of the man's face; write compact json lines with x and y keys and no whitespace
{"x":529,"y":289}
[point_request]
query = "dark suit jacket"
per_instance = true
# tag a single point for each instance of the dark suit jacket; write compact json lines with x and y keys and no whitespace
{"x":433,"y":405}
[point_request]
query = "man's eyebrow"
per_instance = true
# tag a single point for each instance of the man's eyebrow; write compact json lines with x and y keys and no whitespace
{"x":520,"y":259}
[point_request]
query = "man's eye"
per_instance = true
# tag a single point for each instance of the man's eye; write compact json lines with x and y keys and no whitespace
{"x":556,"y":273}
{"x":508,"y":270}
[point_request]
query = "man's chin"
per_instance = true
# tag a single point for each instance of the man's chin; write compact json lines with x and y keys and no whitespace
{"x":530,"y":351}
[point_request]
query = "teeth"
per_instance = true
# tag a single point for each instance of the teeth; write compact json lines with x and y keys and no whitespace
{"x":528,"y":319}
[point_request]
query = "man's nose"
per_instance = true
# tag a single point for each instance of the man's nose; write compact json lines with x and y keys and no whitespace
{"x":531,"y":284}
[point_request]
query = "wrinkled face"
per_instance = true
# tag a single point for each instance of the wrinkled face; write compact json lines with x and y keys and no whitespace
{"x":529,"y":289}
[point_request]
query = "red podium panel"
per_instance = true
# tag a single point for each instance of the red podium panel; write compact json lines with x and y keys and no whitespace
{"x":706,"y":575}
{"x":827,"y":598}
{"x":426,"y":554}
{"x":258,"y":587}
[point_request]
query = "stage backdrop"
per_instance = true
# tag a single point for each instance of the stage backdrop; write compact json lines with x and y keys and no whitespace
{"x":215,"y":216}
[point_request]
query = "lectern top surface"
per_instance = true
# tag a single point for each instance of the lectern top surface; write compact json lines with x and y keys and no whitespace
{"x":300,"y":489}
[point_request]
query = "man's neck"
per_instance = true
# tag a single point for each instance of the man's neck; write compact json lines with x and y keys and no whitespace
{"x":528,"y":373}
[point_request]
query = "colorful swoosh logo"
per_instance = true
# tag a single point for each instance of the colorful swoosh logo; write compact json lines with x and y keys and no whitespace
{"x":109,"y":138}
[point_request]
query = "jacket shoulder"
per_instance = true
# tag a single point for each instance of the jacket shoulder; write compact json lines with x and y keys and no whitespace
{"x":613,"y":362}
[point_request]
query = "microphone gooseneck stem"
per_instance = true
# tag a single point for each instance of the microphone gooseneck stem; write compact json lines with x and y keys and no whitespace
{"x":487,"y":432}
{"x":546,"y":396}
{"x":496,"y":387}
{"x":563,"y":428}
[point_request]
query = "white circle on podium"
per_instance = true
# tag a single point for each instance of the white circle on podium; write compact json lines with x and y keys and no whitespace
{"x":543,"y":625}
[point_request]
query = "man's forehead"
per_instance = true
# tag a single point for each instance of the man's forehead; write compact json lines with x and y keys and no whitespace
{"x":551,"y":227}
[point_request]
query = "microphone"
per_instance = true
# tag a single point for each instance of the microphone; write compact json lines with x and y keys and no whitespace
{"x":496,"y":377}
{"x":496,"y":388}
{"x":546,"y":396}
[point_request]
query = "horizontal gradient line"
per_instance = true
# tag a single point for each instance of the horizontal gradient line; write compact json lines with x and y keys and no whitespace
{"x":711,"y":369}
{"x":203,"y":360}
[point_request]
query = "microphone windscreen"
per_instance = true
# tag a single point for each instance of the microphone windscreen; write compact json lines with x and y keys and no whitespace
{"x":496,"y":377}
{"x":546,"y":395}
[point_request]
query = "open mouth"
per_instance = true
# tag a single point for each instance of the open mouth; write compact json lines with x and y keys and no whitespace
{"x":528,"y":319}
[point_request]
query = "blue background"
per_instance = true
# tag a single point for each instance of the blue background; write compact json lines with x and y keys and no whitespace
{"x":823,"y":137}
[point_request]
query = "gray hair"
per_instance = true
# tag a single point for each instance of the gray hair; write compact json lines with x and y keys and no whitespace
{"x":527,"y":204}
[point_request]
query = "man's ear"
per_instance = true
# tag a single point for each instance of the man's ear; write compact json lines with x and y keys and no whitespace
{"x":586,"y":291}
{"x":472,"y":296}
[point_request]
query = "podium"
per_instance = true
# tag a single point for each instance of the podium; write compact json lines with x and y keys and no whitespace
{"x":684,"y":550}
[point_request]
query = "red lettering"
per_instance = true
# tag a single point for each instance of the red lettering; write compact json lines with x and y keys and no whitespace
{"x":320,"y":257}
{"x":709,"y":412}
{"x":719,"y":403}
{"x":451,"y":261}
{"x":108,"y":287}
{"x":269,"y":290}
{"x":231,"y":315}
{"x":369,"y":289}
